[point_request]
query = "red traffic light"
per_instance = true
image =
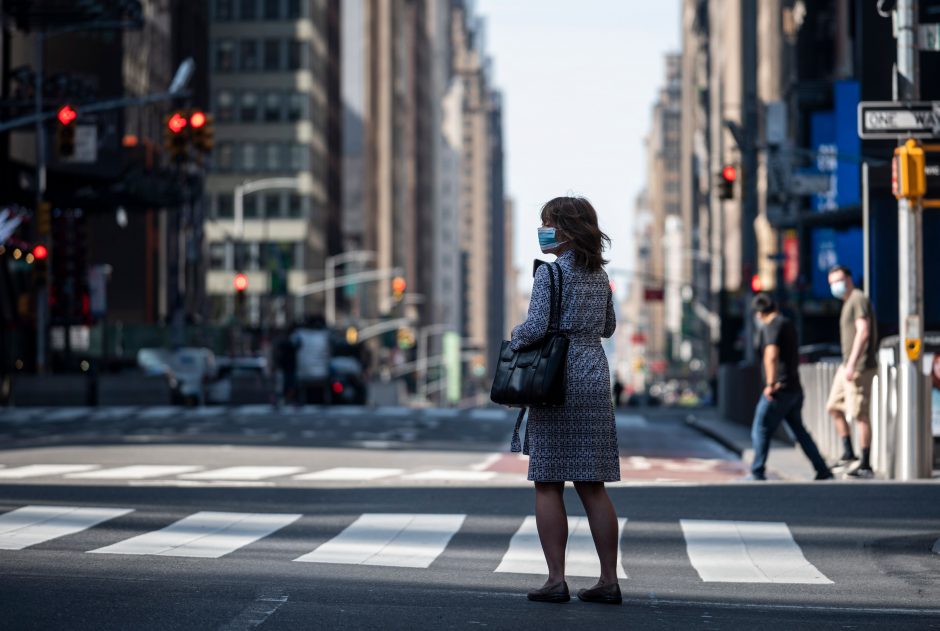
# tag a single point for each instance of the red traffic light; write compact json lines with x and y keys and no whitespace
{"x":197,"y":119}
{"x":176,"y":123}
{"x":240,"y":282}
{"x":66,"y":114}
{"x":40,"y":252}
{"x":756,"y":284}
{"x":399,"y":285}
{"x":729,"y":173}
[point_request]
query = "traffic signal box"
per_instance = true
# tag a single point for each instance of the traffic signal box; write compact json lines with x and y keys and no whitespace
{"x":725,"y":181}
{"x":908,"y":171}
{"x":398,"y":287}
{"x":65,"y":133}
{"x":185,"y":128}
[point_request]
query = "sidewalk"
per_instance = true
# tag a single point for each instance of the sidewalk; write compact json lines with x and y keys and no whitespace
{"x":785,"y":462}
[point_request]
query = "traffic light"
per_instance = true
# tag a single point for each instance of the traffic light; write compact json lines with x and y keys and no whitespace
{"x":726,"y":181}
{"x":175,"y":136}
{"x":240,"y":282}
{"x":200,"y":125}
{"x":909,"y":171}
{"x":756,"y":284}
{"x":398,"y":287}
{"x":65,"y":134}
{"x":40,"y":255}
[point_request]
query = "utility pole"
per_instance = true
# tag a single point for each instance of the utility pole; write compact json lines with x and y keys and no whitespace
{"x":42,"y":292}
{"x":910,"y":261}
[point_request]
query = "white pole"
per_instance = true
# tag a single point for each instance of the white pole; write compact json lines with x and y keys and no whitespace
{"x":329,"y":264}
{"x":423,"y":335}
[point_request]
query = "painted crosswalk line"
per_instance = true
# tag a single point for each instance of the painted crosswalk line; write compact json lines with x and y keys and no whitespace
{"x":205,"y":534}
{"x":747,"y":552}
{"x":350,"y":473}
{"x":452,"y":474}
{"x":525,"y":552}
{"x":134,"y":472}
{"x":43,"y":470}
{"x":31,"y":525}
{"x":243,"y":473}
{"x":389,"y":539}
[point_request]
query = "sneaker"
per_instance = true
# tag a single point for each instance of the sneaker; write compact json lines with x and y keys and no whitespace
{"x":843,"y":463}
{"x":859,"y":473}
{"x":824,"y":475}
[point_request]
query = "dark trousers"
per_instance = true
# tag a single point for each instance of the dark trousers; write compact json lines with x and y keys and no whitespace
{"x":785,"y":406}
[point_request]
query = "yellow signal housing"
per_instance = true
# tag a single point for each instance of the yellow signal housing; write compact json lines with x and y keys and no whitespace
{"x":910,"y":164}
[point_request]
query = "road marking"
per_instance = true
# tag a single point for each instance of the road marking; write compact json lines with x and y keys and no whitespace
{"x":452,"y":474}
{"x":525,"y":556}
{"x":442,"y":412}
{"x":487,"y":462}
{"x":747,"y":552}
{"x":205,"y":534}
{"x":254,"y":615}
{"x":206,"y":410}
{"x":42,"y":470}
{"x":350,"y":473}
{"x":392,"y":410}
{"x":115,"y":412}
{"x":242,"y":473}
{"x":254,"y":410}
{"x":389,"y":539}
{"x":159,"y":411}
{"x":64,"y":414}
{"x":30,"y":525}
{"x":134,"y":472}
{"x":498,"y":415}
{"x":347,"y":410}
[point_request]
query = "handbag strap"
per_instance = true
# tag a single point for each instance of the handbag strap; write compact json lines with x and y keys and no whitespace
{"x":554,"y":316}
{"x":515,"y":445}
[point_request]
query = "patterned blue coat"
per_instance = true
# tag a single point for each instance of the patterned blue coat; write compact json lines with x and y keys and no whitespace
{"x":577,"y":441}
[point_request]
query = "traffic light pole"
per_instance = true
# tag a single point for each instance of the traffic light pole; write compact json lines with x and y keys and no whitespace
{"x":911,"y":461}
{"x":42,"y":293}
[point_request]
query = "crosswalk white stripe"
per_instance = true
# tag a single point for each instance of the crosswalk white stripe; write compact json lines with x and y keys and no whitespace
{"x":242,"y":473}
{"x":525,"y":556}
{"x":134,"y":472}
{"x":747,"y":552}
{"x":389,"y":539}
{"x":30,"y":525}
{"x":205,"y":534}
{"x":350,"y":473}
{"x":40,"y":470}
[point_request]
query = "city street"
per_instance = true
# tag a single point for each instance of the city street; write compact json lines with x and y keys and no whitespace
{"x":237,"y":518}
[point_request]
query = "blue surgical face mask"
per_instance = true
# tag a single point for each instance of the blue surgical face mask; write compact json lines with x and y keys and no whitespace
{"x":838,"y":289}
{"x":548,"y":240}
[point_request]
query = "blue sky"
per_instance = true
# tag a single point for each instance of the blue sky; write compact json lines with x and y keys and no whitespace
{"x":579,"y":78}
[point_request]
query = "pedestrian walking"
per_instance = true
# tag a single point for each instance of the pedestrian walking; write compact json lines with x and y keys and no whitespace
{"x":850,"y":396}
{"x":286,"y":350}
{"x":618,"y":391}
{"x":576,"y":441}
{"x":782,"y":395}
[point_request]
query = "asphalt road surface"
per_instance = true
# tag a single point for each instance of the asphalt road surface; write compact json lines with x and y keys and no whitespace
{"x":320,"y":518}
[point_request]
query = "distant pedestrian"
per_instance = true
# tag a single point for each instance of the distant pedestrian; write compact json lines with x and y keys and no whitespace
{"x":850,"y":396}
{"x":782,"y":396}
{"x":287,"y":348}
{"x":618,"y":391}
{"x":577,"y":441}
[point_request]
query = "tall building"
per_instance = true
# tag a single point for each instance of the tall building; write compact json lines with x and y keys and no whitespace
{"x":275,"y":97}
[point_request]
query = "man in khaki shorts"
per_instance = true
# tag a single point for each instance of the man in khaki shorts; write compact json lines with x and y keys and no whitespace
{"x":851,"y":389}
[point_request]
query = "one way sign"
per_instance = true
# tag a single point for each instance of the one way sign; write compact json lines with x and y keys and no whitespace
{"x":887,"y":119}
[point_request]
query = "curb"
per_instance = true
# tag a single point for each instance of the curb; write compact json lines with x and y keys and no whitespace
{"x":690,"y":421}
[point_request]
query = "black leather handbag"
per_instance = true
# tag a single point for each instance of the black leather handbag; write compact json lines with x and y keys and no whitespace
{"x":535,"y":376}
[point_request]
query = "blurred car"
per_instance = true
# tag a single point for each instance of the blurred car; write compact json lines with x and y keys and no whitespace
{"x":347,"y":384}
{"x":240,"y":380}
{"x":192,"y":370}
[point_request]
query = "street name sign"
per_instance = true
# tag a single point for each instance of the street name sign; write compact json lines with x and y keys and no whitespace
{"x":810,"y":183}
{"x":887,"y":119}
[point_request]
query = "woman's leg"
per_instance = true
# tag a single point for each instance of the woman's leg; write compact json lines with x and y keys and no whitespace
{"x":603,"y":520}
{"x":552,"y":523}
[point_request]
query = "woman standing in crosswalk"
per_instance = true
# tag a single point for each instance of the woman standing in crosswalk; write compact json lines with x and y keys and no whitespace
{"x":577,"y":441}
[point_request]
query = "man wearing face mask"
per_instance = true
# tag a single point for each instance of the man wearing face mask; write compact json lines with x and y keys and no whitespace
{"x":782,"y":397}
{"x":851,"y":389}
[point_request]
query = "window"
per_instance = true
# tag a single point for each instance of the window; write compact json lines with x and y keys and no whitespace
{"x":223,"y":9}
{"x":274,"y":160}
{"x":295,"y":205}
{"x":272,"y":54}
{"x":249,"y":10}
{"x":299,"y":158}
{"x":297,"y":106}
{"x":249,"y":106}
{"x":224,"y":206}
{"x":272,"y":107}
{"x":225,"y":55}
{"x":216,"y":256}
{"x":296,"y":57}
{"x":224,"y":106}
{"x":272,"y":9}
{"x":294,"y":8}
{"x":249,"y":156}
{"x":223,"y":156}
{"x":249,"y":55}
{"x":250,"y":206}
{"x":272,"y":205}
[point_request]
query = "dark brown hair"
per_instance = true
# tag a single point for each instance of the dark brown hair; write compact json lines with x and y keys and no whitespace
{"x":576,"y":220}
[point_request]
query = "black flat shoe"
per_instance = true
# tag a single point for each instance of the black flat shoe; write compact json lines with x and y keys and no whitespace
{"x":606,"y":594}
{"x":557,"y":593}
